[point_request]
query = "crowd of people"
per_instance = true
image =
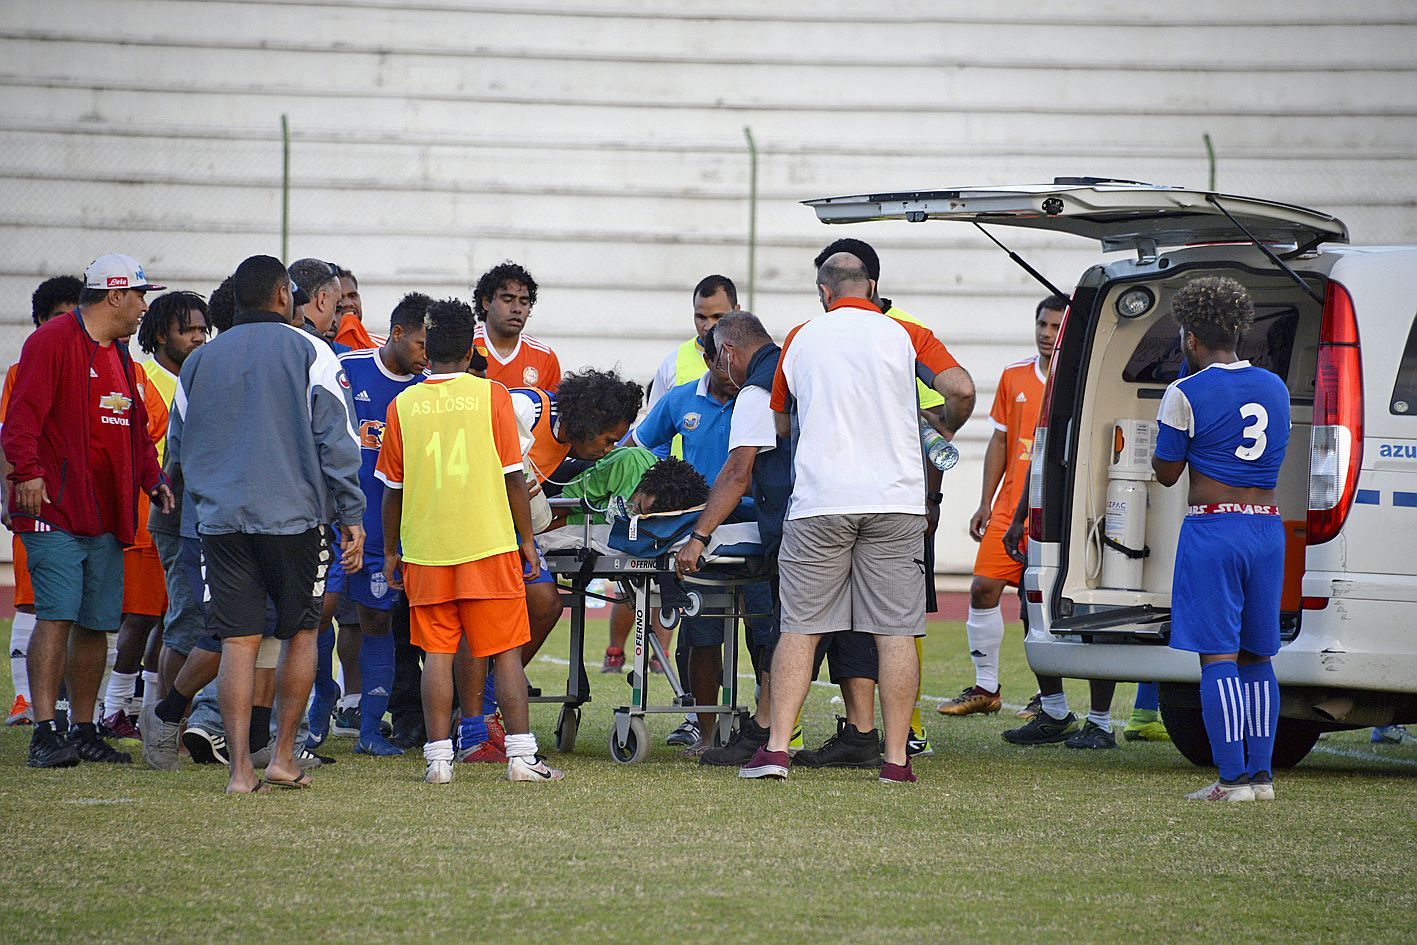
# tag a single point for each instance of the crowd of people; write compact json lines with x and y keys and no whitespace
{"x":275,"y":483}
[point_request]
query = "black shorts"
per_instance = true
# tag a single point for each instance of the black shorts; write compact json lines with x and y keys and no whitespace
{"x":241,"y":571}
{"x":849,"y":653}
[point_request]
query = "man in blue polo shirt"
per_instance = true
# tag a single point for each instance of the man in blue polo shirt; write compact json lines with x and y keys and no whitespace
{"x":700,"y":412}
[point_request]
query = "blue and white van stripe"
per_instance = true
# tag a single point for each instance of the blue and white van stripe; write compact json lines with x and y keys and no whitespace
{"x":1401,"y":500}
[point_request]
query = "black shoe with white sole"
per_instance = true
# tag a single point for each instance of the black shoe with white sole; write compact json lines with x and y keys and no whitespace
{"x":204,"y":747}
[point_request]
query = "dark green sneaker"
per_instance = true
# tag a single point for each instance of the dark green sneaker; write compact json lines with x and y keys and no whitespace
{"x":1042,"y":729}
{"x":1091,"y":736}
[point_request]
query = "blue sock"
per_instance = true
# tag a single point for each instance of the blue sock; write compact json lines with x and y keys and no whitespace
{"x":472,"y":730}
{"x":1148,"y":697}
{"x":1261,"y":691}
{"x":489,"y":694}
{"x":326,"y":692}
{"x":1223,"y":708}
{"x":376,"y":669}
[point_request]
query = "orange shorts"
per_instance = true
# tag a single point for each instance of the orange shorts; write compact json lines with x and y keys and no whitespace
{"x":144,"y":586}
{"x":491,"y":625}
{"x":992,"y":561}
{"x":24,"y":590}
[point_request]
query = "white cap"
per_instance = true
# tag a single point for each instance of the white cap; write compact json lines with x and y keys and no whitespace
{"x":116,"y":271}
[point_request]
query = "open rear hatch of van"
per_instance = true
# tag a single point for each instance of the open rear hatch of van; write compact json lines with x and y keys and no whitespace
{"x":1121,"y":215}
{"x":1122,"y":365}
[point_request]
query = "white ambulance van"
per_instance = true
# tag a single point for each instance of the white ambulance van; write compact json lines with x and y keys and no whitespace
{"x":1338,"y":323}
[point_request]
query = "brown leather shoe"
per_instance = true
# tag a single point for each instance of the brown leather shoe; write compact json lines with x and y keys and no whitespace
{"x":972,"y":702}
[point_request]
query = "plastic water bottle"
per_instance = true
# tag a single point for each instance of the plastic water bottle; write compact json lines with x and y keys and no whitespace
{"x":940,"y":451}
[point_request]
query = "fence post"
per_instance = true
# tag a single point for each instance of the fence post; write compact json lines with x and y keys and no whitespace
{"x":284,"y":187}
{"x":752,"y":212}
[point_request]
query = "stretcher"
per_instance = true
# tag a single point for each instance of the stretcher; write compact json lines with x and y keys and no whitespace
{"x":637,"y":554}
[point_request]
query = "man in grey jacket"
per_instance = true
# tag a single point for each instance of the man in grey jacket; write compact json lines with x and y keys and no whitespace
{"x":261,"y":427}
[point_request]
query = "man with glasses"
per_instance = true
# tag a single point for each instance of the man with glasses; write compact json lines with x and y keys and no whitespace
{"x":76,"y":434}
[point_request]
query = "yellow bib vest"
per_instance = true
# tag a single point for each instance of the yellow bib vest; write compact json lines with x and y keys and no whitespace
{"x":166,"y":385}
{"x":454,"y":492}
{"x":928,"y":396}
{"x":688,"y":366}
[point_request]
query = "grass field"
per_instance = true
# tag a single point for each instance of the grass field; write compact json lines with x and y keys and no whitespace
{"x":995,"y":844}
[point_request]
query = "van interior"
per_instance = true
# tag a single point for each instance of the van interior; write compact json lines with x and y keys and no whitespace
{"x":1131,"y":363}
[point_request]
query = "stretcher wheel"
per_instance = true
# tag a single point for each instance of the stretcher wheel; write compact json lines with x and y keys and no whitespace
{"x":696,"y":604}
{"x":669,"y":617}
{"x":636,"y":747}
{"x":567,"y":726}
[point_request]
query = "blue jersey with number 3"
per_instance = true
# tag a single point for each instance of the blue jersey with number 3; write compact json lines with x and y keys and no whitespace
{"x":1229,"y":422}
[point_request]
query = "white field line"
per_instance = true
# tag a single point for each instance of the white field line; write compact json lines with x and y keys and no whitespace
{"x":1352,"y":753}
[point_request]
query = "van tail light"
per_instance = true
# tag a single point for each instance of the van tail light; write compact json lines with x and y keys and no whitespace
{"x":1035,"y":479}
{"x":1336,"y":446}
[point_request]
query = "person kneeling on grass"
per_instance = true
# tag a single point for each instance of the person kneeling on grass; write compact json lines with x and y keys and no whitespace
{"x":455,"y":505}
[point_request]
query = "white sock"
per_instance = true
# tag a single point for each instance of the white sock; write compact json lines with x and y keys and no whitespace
{"x":438,"y":751}
{"x":99,"y":710}
{"x":150,"y":687}
{"x":118,"y":697}
{"x":521,"y":746}
{"x":1056,"y":706}
{"x":20,"y":632}
{"x":985,"y":631}
{"x":1102,"y":720}
{"x":350,"y":701}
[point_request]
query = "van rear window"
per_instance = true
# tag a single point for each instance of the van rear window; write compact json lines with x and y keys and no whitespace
{"x":1404,"y":392}
{"x":1269,"y":344}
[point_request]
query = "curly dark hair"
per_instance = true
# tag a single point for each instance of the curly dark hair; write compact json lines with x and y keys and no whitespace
{"x":51,"y":292}
{"x":221,"y":305}
{"x":589,"y":402}
{"x":450,"y":327}
{"x":1215,"y":309}
{"x":675,"y":485}
{"x":496,"y":277}
{"x":164,"y":310}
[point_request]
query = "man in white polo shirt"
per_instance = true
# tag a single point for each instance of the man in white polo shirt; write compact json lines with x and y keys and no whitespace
{"x":851,"y":545}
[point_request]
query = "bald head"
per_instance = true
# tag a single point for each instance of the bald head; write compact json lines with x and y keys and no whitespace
{"x":842,"y":276}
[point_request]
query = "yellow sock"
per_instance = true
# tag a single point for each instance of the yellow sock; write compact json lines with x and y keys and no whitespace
{"x":915,"y":724}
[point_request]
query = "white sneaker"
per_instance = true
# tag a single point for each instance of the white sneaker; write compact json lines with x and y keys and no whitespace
{"x":533,"y":769}
{"x":1264,"y":790}
{"x":1224,"y":792}
{"x":439,"y":772}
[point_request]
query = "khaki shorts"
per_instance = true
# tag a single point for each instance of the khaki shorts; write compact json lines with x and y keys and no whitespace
{"x":863,"y":572}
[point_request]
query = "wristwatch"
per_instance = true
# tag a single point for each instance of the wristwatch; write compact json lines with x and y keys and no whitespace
{"x":700,"y":538}
{"x":935,"y":498}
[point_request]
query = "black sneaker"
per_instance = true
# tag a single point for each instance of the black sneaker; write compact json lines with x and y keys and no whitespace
{"x":405,"y":734}
{"x":1091,"y":736}
{"x":1042,"y":729}
{"x":49,"y":749}
{"x":90,"y":747}
{"x":204,"y":747}
{"x":848,"y":748}
{"x":740,"y":749}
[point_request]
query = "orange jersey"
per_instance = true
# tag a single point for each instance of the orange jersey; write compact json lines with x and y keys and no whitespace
{"x":1017,"y":404}
{"x":531,"y":364}
{"x":24,"y":591}
{"x":9,"y":386}
{"x":353,"y":333}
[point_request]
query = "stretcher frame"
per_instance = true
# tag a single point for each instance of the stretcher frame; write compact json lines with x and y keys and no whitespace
{"x":651,"y":586}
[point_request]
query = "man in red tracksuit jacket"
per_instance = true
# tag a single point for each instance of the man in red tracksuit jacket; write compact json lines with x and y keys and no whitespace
{"x":76,"y":434}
